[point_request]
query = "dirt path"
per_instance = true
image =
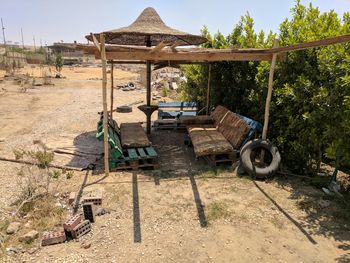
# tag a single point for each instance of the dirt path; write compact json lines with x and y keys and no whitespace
{"x":183,"y":212}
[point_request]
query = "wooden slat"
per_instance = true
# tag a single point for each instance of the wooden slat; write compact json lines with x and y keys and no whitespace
{"x":132,"y":154}
{"x":142,"y":152}
{"x":151,"y":152}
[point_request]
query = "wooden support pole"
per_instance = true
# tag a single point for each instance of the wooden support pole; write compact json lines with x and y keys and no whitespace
{"x":269,"y":92}
{"x":104,"y":99}
{"x":112,"y":89}
{"x":148,"y":80}
{"x":208,"y":89}
{"x":148,"y":86}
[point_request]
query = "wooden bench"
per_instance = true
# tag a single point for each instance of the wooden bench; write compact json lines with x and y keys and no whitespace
{"x":136,"y":154}
{"x":171,"y":114}
{"x":220,"y":141}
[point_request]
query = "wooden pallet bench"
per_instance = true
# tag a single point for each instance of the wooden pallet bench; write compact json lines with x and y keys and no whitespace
{"x":220,"y":159}
{"x":124,"y":158}
{"x":169,"y":124}
{"x":219,"y":142}
{"x":170,"y":113}
{"x":138,"y":158}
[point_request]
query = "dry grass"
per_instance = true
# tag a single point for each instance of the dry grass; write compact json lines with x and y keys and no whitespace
{"x":46,"y":215}
{"x":216,"y":211}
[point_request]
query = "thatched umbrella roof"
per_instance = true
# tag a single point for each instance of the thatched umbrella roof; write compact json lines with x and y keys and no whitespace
{"x":149,"y":24}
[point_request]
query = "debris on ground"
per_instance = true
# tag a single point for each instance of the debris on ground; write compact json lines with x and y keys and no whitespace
{"x":29,"y":236}
{"x":13,"y":228}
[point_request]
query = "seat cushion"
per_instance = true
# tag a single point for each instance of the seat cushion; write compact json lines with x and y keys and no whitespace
{"x":208,"y":141}
{"x":133,"y":135}
{"x":218,"y":113}
{"x":190,"y":120}
{"x":233,"y":128}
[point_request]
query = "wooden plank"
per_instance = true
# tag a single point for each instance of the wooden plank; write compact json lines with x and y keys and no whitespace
{"x":173,"y":46}
{"x":312,"y":44}
{"x":132,"y":154}
{"x":112,"y":89}
{"x":141,"y":152}
{"x":159,"y":47}
{"x":208,"y":90}
{"x":151,"y":152}
{"x":269,"y":93}
{"x":97,"y":45}
{"x":104,"y":101}
{"x":181,"y":56}
{"x":133,"y":136}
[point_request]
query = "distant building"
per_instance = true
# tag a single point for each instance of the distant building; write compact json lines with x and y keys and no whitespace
{"x":68,"y":51}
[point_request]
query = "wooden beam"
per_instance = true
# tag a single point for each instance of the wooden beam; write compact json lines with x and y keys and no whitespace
{"x":185,"y":56}
{"x":112,"y":89}
{"x":159,"y":47}
{"x":126,"y":62}
{"x":104,"y":101}
{"x":208,"y":89}
{"x":249,"y":51}
{"x":173,"y":46}
{"x":97,"y":45}
{"x":312,"y":44}
{"x":269,"y":92}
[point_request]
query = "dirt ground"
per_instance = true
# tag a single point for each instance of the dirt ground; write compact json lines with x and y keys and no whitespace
{"x":185,"y":211}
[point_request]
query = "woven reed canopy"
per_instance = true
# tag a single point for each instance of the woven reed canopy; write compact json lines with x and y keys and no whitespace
{"x":149,"y":24}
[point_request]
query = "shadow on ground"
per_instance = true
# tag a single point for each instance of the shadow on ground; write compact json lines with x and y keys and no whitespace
{"x":177,"y":161}
{"x":87,"y":150}
{"x":330,"y":220}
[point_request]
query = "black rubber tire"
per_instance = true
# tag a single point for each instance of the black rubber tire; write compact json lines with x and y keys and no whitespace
{"x":124,"y":109}
{"x":249,"y":166}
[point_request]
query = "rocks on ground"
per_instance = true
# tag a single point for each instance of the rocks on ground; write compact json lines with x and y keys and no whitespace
{"x":13,"y":228}
{"x":29,"y":237}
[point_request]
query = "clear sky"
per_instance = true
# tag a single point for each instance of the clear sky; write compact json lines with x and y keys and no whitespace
{"x":68,"y":20}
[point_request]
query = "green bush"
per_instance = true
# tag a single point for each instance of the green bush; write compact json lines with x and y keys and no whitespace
{"x":310,"y":108}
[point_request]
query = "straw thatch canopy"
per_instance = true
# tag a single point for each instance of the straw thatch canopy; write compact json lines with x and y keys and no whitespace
{"x":149,"y":24}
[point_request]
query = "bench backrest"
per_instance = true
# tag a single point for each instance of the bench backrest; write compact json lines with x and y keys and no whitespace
{"x":113,"y":140}
{"x":174,"y":109}
{"x":232,"y":127}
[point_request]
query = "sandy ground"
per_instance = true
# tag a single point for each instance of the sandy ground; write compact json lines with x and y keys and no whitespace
{"x":183,"y":212}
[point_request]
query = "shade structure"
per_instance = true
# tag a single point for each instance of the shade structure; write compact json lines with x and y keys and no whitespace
{"x":149,"y":25}
{"x":148,"y":30}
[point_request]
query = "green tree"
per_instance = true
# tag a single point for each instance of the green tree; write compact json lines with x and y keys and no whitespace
{"x":309,"y":118}
{"x":59,"y":63}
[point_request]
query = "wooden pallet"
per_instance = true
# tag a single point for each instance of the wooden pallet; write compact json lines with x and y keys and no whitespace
{"x":220,"y":159}
{"x":169,"y":124}
{"x":138,"y":158}
{"x":139,"y":164}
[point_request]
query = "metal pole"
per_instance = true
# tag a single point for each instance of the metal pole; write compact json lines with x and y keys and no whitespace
{"x":22,"y":39}
{"x":34,"y":43}
{"x":3,"y":33}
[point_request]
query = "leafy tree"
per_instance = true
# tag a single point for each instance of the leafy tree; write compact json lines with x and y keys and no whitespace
{"x":59,"y":63}
{"x":310,"y":109}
